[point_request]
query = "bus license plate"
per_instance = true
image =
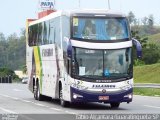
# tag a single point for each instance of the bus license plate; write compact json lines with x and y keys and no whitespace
{"x":103,"y":97}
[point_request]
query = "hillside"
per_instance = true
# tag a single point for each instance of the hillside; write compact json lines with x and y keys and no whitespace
{"x":147,"y":74}
{"x":154,"y":38}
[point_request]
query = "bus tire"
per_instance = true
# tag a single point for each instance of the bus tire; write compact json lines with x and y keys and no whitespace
{"x":63,"y":103}
{"x":115,"y":104}
{"x":35,"y":92}
{"x":38,"y":94}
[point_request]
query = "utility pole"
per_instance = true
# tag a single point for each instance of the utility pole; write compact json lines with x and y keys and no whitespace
{"x":109,"y":4}
{"x":79,"y":3}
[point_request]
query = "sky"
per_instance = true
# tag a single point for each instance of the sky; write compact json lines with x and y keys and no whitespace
{"x":15,"y":12}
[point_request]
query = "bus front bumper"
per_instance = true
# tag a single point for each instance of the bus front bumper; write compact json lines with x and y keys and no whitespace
{"x":83,"y":96}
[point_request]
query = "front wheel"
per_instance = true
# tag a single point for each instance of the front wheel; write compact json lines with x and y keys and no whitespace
{"x":115,"y":105}
{"x":63,"y":103}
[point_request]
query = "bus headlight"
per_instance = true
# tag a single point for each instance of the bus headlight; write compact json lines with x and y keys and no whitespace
{"x":128,"y":96}
{"x":126,"y":87}
{"x":75,"y":96}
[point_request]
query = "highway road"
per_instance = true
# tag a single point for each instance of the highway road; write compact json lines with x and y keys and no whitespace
{"x":17,"y":99}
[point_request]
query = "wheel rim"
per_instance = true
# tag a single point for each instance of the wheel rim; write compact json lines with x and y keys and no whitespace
{"x":35,"y":92}
{"x":61,"y":97}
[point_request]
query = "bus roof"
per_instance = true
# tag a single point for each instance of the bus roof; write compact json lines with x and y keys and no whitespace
{"x":82,"y":12}
{"x":97,"y":12}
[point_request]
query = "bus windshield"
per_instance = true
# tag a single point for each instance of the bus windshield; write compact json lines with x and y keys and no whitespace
{"x":100,"y":28}
{"x":102,"y":64}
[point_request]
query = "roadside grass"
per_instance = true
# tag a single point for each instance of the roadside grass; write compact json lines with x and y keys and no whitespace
{"x":147,"y":73}
{"x":147,"y":91}
{"x":154,"y":39}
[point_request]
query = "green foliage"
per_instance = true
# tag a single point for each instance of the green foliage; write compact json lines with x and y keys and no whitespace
{"x":147,"y":73}
{"x":151,"y":54}
{"x":13,"y":51}
{"x":147,"y":91}
{"x":8,"y":72}
{"x":154,"y":38}
{"x":131,"y":17}
{"x":138,"y":62}
{"x":24,"y":69}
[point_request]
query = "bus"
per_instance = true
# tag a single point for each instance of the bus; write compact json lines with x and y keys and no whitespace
{"x":81,"y":56}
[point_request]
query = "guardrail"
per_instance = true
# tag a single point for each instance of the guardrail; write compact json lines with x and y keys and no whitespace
{"x":7,"y":79}
{"x":146,"y":85}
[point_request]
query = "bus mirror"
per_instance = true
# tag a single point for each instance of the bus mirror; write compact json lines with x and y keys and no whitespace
{"x":69,"y":50}
{"x":138,"y":47}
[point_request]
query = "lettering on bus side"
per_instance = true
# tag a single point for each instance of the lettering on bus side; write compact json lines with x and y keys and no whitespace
{"x":47,"y":52}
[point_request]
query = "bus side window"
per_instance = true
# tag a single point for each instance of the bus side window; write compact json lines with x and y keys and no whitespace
{"x":45,"y":33}
{"x":52,"y":32}
{"x":39,"y":40}
{"x":57,"y":32}
{"x":29,"y":36}
{"x":35,"y":34}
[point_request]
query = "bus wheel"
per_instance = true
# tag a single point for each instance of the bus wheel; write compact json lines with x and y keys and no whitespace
{"x":38,"y":94}
{"x":62,"y":102}
{"x":115,"y":104}
{"x":35,"y":92}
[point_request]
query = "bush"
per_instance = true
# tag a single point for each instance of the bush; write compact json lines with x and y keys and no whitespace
{"x":8,"y":72}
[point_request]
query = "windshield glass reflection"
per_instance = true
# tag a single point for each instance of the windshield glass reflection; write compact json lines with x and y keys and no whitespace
{"x":103,"y":64}
{"x":100,"y":29}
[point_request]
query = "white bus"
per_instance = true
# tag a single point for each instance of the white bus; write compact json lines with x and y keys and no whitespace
{"x":81,"y":56}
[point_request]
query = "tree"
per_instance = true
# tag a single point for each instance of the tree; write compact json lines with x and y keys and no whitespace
{"x":144,"y":21}
{"x":8,"y":72}
{"x":151,"y":54}
{"x":131,"y":17}
{"x":150,"y":21}
{"x":13,"y":51}
{"x":2,"y":37}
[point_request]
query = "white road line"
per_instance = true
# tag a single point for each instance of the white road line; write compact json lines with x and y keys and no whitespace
{"x":27,"y":101}
{"x":69,"y":112}
{"x":39,"y":104}
{"x":14,"y":98}
{"x":4,"y":95}
{"x":8,"y":111}
{"x":17,"y":90}
{"x":152,"y":106}
{"x":9,"y":97}
{"x":55,"y":109}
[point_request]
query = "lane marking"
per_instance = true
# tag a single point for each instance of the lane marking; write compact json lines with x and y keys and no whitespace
{"x":17,"y":90}
{"x":14,"y":98}
{"x":9,"y":97}
{"x":38,"y":104}
{"x":27,"y":101}
{"x":4,"y":95}
{"x":8,"y":111}
{"x":69,"y":112}
{"x":152,"y":106}
{"x":55,"y":109}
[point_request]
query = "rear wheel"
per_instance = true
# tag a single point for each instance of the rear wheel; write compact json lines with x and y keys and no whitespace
{"x":37,"y":94}
{"x":115,"y":105}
